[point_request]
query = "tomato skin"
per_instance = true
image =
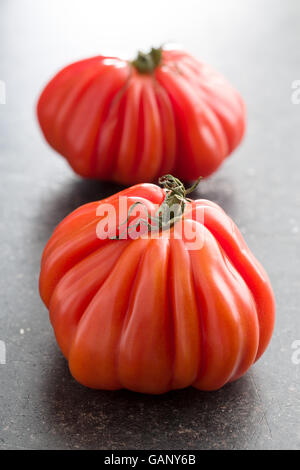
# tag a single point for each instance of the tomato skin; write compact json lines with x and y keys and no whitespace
{"x":152,"y":315}
{"x":113,"y":123}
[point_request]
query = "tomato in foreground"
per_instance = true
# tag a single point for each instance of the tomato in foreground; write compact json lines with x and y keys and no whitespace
{"x":132,"y":121}
{"x":152,"y":314}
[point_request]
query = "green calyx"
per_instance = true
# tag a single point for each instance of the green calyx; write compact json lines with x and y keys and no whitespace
{"x":147,"y":62}
{"x":169,"y":212}
{"x":175,"y":200}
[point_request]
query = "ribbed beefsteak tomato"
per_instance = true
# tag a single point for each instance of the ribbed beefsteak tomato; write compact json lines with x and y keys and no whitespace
{"x":130,"y":122}
{"x":151,"y":314}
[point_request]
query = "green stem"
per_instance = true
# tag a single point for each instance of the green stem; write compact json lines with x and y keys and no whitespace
{"x":175,"y":199}
{"x":169,"y":212}
{"x":147,"y":62}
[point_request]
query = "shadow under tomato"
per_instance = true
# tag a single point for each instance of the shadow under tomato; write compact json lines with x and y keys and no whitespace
{"x":57,"y":204}
{"x":184,"y":419}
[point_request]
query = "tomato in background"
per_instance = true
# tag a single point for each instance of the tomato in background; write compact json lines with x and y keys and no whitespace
{"x":131,"y":122}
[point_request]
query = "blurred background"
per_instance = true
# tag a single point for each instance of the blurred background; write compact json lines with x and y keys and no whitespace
{"x":256,"y":45}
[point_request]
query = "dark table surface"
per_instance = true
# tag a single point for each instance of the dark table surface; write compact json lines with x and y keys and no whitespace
{"x":257,"y":45}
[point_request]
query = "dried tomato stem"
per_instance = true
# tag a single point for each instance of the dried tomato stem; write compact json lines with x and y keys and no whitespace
{"x":175,"y":200}
{"x":147,"y":62}
{"x":171,"y":209}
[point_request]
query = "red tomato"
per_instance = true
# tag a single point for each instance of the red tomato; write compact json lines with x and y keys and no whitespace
{"x":152,"y":315}
{"x":132,"y":121}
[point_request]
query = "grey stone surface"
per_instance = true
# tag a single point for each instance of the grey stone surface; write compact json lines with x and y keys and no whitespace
{"x":257,"y":45}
